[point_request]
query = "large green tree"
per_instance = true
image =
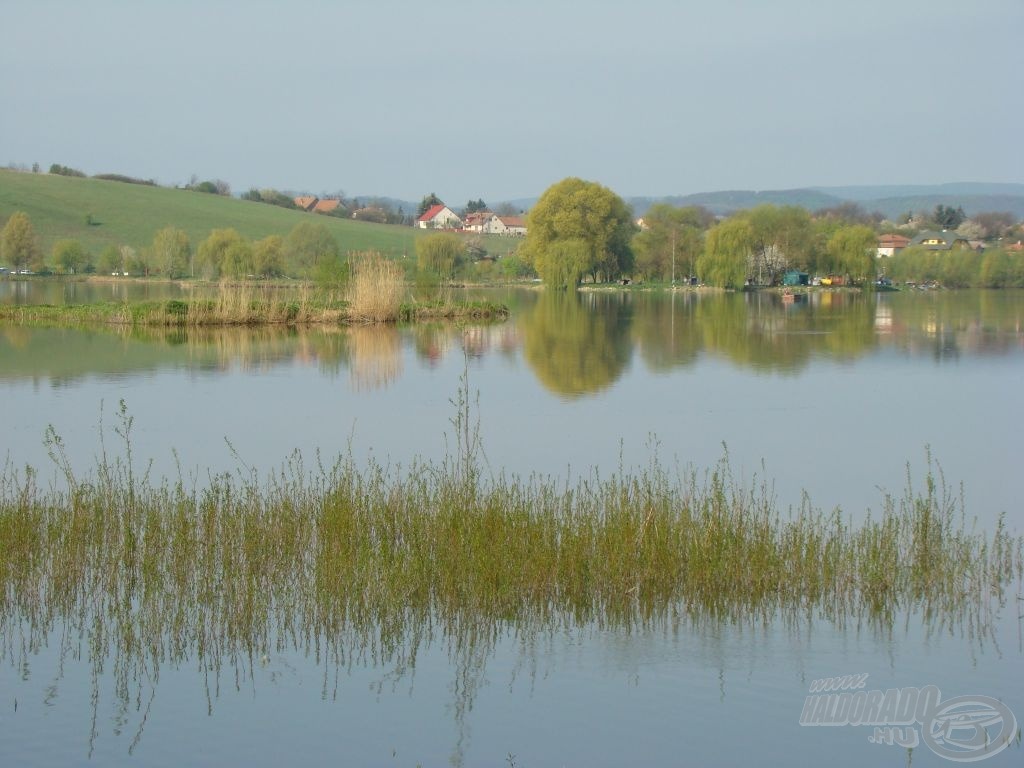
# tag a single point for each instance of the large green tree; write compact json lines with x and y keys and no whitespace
{"x":583,"y":222}
{"x":783,"y":238}
{"x":726,"y":256}
{"x":69,"y":256}
{"x":171,"y":252}
{"x":268,"y":256}
{"x":19,"y":247}
{"x":311,"y":248}
{"x":211,"y":256}
{"x":669,"y":243}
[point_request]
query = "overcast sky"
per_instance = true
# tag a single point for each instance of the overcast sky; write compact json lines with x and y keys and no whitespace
{"x":500,"y":100}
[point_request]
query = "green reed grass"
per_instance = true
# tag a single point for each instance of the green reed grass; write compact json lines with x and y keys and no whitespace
{"x":310,"y":549}
{"x":360,"y":563}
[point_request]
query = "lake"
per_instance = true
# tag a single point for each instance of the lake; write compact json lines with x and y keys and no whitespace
{"x":840,"y":396}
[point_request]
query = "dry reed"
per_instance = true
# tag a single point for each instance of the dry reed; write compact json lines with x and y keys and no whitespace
{"x":376,"y":288}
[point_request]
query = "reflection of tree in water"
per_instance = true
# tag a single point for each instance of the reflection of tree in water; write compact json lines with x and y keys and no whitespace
{"x":758,"y":330}
{"x":665,"y":331}
{"x":575,"y":349}
{"x":376,"y":356}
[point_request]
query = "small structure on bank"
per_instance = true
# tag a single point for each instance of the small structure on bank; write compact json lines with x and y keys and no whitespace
{"x":795,"y":277}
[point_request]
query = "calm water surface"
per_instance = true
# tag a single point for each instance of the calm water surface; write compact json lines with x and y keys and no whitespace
{"x":838,"y":396}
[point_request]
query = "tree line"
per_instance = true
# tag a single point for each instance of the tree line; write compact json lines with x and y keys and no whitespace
{"x":580,"y":230}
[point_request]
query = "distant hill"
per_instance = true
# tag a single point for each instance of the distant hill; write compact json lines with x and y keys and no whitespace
{"x":957,"y":188}
{"x":130,"y":214}
{"x":723,"y":203}
{"x":892,"y":201}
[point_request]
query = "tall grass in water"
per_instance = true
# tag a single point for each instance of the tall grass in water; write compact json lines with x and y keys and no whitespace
{"x":348,"y":561}
{"x":376,"y":288}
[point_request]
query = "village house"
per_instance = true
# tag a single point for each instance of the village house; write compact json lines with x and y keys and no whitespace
{"x":512,"y":226}
{"x":329,"y":205}
{"x":476,"y":221}
{"x":891,"y":244}
{"x":306,"y":202}
{"x":941,"y":241}
{"x":439,"y":217}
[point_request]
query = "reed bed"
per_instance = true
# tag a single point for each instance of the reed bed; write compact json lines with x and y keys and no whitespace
{"x":371,"y":563}
{"x":307,"y":551}
{"x":376,"y":288}
{"x":375,"y":295}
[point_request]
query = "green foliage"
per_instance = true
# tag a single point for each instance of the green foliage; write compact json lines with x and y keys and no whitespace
{"x":69,"y":256}
{"x":109,"y":260}
{"x":474,"y":206}
{"x":63,"y":170}
{"x":852,"y":250}
{"x":19,"y":248}
{"x":428,"y":202}
{"x":947,"y":217}
{"x":583,"y":222}
{"x":310,"y":248}
{"x":212,"y":253}
{"x":119,"y":177}
{"x":961,"y":268}
{"x":563,"y":263}
{"x":726,"y":253}
{"x":268,"y":256}
{"x":270,"y":197}
{"x":783,"y":237}
{"x":171,"y":252}
{"x":440,"y":254}
{"x":670,"y":242}
{"x":514,"y":267}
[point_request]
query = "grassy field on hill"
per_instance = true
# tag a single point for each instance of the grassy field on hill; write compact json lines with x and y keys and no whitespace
{"x":130,"y":214}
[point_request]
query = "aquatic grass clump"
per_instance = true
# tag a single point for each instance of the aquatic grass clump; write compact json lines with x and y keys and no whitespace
{"x":445,"y":309}
{"x":376,"y":288}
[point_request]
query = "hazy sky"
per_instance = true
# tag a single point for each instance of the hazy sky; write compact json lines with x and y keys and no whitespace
{"x":500,"y":100}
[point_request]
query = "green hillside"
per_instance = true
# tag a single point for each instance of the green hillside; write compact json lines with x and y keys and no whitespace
{"x":130,"y":214}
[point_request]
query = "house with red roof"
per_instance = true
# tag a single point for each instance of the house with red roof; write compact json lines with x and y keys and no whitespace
{"x":891,"y":244}
{"x":306,"y":202}
{"x":439,"y":217}
{"x":326,"y":206}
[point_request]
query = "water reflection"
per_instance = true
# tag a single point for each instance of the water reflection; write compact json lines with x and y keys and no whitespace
{"x":575,"y":344}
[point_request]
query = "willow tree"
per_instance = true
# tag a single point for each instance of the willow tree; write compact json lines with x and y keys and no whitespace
{"x":439,"y":254}
{"x":212,"y":254}
{"x":727,"y":250}
{"x":852,"y":250}
{"x":579,"y":228}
